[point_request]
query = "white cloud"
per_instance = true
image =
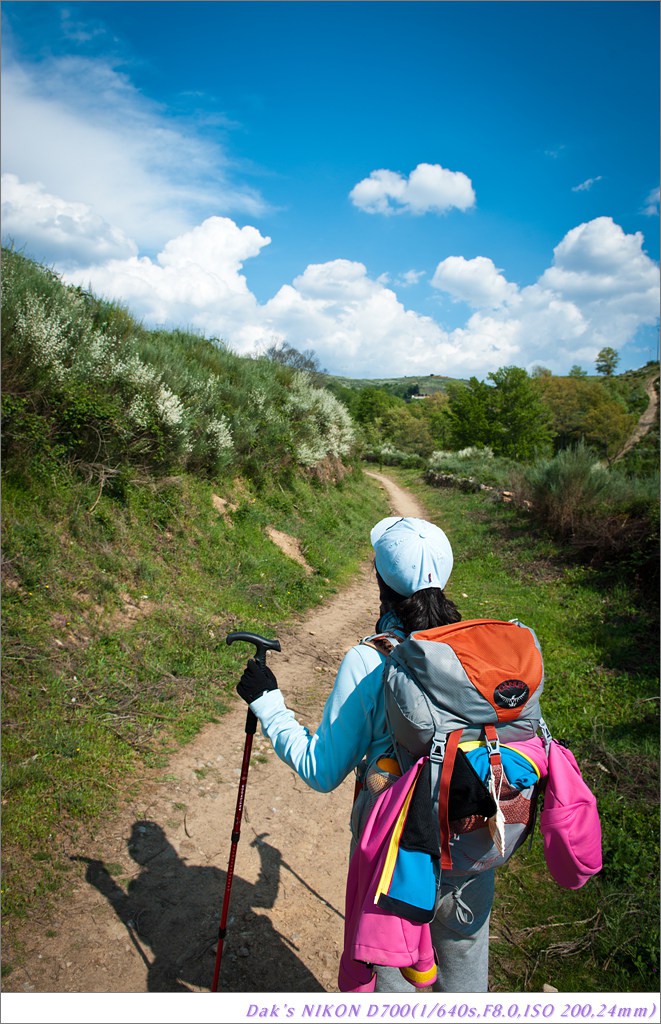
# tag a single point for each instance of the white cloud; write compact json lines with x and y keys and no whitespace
{"x":609,"y":277}
{"x":598,"y":262}
{"x":80,"y":128}
{"x":600,"y":288}
{"x":195,"y":281}
{"x":429,"y":188}
{"x":586,"y":185}
{"x":651,"y":208}
{"x":409,"y":277}
{"x":476,"y":281}
{"x":354,"y":322}
{"x":60,"y":231}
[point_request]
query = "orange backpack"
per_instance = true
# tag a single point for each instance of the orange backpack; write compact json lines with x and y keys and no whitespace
{"x":465,"y":695}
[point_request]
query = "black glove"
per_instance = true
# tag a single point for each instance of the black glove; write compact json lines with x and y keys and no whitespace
{"x":255,"y":681}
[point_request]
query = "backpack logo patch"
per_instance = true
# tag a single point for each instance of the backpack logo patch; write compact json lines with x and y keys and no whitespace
{"x":511,"y":693}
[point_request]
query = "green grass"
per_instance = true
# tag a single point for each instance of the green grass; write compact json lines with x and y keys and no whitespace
{"x":599,"y":639}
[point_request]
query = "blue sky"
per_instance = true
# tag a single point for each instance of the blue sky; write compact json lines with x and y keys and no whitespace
{"x":437,"y":187}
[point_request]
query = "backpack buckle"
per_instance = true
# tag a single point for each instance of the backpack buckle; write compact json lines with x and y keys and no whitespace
{"x":437,"y":752}
{"x":493,"y":744}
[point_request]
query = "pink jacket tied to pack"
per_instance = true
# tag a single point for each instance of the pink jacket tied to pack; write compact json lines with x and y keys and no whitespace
{"x":569,"y":821}
{"x":373,"y":935}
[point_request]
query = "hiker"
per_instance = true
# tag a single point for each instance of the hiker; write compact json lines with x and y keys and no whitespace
{"x":413,"y":562}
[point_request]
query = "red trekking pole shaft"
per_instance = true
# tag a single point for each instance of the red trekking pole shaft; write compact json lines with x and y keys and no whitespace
{"x":251,"y":727}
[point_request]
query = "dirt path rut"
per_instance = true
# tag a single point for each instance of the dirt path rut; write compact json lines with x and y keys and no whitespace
{"x":143,"y":909}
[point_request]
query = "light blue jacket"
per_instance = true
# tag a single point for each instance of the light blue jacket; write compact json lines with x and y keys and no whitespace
{"x":353,"y":724}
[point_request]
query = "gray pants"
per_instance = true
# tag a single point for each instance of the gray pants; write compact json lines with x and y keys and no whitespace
{"x":460,"y":934}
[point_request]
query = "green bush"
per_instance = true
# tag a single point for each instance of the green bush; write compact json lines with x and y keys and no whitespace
{"x":603,"y":513}
{"x":476,"y":465}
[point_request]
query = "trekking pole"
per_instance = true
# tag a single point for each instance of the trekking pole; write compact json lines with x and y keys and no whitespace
{"x":262,"y":646}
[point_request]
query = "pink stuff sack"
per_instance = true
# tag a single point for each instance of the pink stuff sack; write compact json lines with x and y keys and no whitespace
{"x":569,"y":822}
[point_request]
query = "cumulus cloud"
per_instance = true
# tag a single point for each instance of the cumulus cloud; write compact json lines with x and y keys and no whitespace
{"x":111,"y":148}
{"x":64,"y":232}
{"x":598,"y":262}
{"x":410,"y":277}
{"x":477,"y":282}
{"x":194,"y":282}
{"x":600,"y":288}
{"x":353,"y":321}
{"x":429,"y":188}
{"x":609,"y":277}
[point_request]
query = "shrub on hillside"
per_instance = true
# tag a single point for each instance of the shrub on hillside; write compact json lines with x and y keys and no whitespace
{"x":603,"y":513}
{"x":476,"y":464}
{"x":388,"y":455}
{"x":84,"y":383}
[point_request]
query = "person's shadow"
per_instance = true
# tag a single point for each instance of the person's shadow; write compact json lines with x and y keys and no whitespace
{"x":171,"y":911}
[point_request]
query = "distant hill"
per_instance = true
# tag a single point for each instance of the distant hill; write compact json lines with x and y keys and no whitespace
{"x":427,"y":384}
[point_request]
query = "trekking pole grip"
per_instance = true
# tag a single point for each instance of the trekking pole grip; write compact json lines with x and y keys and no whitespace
{"x":262,"y":645}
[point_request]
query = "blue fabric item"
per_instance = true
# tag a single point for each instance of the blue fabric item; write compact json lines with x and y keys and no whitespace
{"x":414,"y":881}
{"x":519,"y":771}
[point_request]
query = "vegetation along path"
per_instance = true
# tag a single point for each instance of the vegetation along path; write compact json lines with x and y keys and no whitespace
{"x":144,"y":904}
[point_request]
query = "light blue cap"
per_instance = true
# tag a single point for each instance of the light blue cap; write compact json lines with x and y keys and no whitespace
{"x":411,"y":554}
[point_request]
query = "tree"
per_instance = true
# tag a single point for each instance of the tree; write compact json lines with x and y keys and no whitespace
{"x":404,"y":431}
{"x":509,"y":417}
{"x":577,"y":371}
{"x":606,"y":361}
{"x":520,"y":422}
{"x":434,"y":410}
{"x":586,"y":411}
{"x":372,"y":403}
{"x":287,"y":355}
{"x":469,"y":413}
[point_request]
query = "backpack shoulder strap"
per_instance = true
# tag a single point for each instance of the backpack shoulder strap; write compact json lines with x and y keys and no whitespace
{"x":382,"y":642}
{"x":442,"y":757}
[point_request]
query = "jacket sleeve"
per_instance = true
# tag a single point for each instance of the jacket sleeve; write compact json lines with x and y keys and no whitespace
{"x":353,"y":723}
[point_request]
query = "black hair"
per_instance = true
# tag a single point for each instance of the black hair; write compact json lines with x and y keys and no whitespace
{"x":423,"y":610}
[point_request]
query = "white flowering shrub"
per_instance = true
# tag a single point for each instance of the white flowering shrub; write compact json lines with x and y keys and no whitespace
{"x":323,"y":425}
{"x":475,"y":453}
{"x":389,"y":455}
{"x":443,"y":459}
{"x":85,"y":381}
{"x":169,"y":407}
{"x":45,"y":335}
{"x":219,"y":436}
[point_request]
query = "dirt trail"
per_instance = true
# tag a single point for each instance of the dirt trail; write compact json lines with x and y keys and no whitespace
{"x":143,"y":909}
{"x":647,"y":420}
